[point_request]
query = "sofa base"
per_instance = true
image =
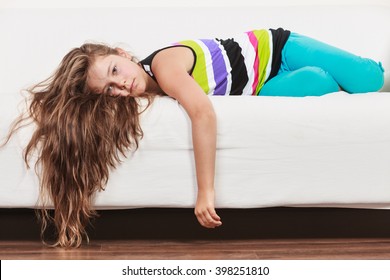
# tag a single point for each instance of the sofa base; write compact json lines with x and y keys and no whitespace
{"x":169,"y":223}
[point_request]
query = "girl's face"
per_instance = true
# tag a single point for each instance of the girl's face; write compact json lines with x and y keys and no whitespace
{"x":116,"y":75}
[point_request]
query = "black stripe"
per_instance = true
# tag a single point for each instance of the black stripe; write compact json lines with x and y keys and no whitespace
{"x":279,"y":39}
{"x":237,"y":63}
{"x":148,"y":60}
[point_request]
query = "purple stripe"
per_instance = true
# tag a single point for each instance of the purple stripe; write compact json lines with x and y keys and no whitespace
{"x":219,"y":67}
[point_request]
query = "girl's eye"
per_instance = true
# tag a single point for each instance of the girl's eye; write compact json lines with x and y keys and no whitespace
{"x":114,"y":70}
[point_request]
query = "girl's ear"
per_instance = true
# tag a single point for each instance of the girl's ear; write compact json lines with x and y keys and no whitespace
{"x":123,"y":53}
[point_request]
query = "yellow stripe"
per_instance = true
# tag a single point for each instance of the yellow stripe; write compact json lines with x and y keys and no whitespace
{"x":264,"y":55}
{"x":200,"y":71}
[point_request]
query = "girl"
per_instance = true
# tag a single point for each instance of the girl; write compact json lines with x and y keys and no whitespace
{"x":87,"y":112}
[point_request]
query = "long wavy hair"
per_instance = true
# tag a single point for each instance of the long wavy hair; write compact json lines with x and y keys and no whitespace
{"x":80,"y":137}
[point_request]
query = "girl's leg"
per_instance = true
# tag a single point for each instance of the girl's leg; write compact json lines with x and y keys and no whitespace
{"x":353,"y":73}
{"x":306,"y":81}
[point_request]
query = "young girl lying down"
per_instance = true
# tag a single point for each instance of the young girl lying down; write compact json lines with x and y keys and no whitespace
{"x":87,"y":112}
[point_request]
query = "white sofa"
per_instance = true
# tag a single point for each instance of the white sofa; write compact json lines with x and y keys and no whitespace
{"x":324,"y":151}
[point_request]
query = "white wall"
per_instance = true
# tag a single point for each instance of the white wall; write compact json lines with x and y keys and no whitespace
{"x":167,"y":3}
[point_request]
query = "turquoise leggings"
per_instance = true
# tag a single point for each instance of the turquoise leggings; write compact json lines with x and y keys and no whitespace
{"x":312,"y":68}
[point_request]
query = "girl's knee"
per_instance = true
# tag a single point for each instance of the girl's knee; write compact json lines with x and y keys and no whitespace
{"x":368,"y":78}
{"x":318,"y":81}
{"x":306,"y":81}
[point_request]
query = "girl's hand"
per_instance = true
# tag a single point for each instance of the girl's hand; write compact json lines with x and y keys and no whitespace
{"x":205,"y":211}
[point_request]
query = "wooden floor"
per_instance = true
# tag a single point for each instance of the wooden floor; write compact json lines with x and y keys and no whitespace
{"x":249,"y":249}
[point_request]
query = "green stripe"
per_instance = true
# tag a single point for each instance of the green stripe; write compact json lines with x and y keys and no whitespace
{"x":200,"y":71}
{"x":264,"y":55}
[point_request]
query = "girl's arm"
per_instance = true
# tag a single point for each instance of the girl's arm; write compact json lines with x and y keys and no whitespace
{"x":171,"y":67}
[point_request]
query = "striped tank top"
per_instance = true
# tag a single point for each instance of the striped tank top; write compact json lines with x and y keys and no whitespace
{"x":235,"y":66}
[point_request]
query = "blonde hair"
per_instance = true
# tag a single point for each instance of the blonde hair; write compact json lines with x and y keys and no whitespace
{"x":80,"y":137}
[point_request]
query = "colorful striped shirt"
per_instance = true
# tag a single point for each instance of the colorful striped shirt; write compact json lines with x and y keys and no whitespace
{"x":235,"y":66}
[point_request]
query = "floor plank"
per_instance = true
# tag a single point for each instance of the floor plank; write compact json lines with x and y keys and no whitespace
{"x":245,"y":249}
